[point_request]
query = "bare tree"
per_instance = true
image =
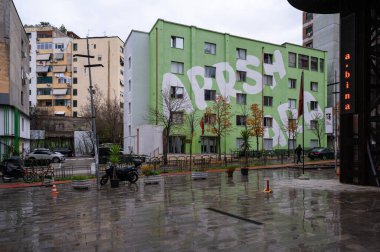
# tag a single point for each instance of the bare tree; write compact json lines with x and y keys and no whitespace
{"x":219,"y":119}
{"x":109,"y":117}
{"x":317,"y":126}
{"x":170,"y":113}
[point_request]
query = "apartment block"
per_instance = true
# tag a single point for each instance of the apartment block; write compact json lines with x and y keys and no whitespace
{"x":14,"y":72}
{"x":50,"y":67}
{"x":107,"y":77}
{"x":202,"y":64}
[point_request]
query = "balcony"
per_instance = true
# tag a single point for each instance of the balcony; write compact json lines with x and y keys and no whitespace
{"x":45,"y":80}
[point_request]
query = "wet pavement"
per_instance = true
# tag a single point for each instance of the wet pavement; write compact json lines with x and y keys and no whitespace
{"x":217,"y":214}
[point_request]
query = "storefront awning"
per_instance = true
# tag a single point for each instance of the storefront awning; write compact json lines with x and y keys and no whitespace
{"x":59,"y":69}
{"x":42,"y":69}
{"x":60,"y":91}
{"x":58,"y":56}
{"x":43,"y":57}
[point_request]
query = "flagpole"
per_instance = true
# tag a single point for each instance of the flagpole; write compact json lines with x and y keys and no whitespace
{"x":303,"y":126}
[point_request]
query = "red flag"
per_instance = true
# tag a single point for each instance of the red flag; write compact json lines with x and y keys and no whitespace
{"x":202,"y":123}
{"x":300,"y":99}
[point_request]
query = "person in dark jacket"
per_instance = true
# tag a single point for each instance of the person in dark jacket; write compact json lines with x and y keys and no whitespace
{"x":298,"y":151}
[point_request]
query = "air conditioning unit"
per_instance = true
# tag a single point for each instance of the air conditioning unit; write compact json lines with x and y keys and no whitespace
{"x":309,"y":34}
{"x":62,"y":49}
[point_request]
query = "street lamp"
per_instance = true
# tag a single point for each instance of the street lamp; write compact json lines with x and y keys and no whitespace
{"x":93,"y":116}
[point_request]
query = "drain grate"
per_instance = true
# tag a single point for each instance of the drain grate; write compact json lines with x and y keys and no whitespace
{"x":234,"y":216}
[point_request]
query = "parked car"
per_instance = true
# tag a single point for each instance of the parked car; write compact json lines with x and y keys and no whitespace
{"x":45,"y":154}
{"x":65,"y":151}
{"x":321,"y":153}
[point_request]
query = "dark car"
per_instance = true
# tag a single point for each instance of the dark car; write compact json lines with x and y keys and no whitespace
{"x":64,"y":151}
{"x":321,"y":153}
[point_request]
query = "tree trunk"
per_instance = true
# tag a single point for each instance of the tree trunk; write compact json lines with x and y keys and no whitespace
{"x":219,"y":149}
{"x":165,"y":143}
{"x":257,"y":143}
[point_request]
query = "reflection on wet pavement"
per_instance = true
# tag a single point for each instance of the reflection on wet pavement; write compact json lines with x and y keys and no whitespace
{"x":317,"y":214}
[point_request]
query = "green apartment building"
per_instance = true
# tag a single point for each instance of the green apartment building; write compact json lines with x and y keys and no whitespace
{"x":200,"y":65}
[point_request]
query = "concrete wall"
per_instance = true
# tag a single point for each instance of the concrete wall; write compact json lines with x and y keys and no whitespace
{"x":136,"y":87}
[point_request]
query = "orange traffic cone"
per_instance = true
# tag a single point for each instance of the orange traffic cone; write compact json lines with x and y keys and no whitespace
{"x":54,"y":191}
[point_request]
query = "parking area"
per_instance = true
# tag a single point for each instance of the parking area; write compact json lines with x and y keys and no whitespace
{"x":180,"y":214}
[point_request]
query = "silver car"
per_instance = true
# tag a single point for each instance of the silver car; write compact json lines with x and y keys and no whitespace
{"x":46,"y":155}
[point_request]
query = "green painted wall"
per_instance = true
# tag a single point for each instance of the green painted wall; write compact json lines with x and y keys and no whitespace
{"x":194,"y":59}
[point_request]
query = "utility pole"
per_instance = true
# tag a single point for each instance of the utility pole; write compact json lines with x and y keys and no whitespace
{"x":93,"y":116}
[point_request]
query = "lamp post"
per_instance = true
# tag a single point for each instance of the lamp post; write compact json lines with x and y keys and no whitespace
{"x":335,"y":127}
{"x":93,"y":116}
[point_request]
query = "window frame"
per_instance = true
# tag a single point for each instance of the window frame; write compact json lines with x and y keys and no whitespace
{"x":177,"y":117}
{"x":212,"y":74}
{"x":314,"y":105}
{"x":302,"y":60}
{"x":266,"y":78}
{"x":314,"y":86}
{"x":292,"y":85}
{"x":241,"y":120}
{"x":268,"y":122}
{"x":241,"y":76}
{"x":238,"y":50}
{"x":290,"y":64}
{"x":268,"y":101}
{"x":174,"y":94}
{"x":173,"y":42}
{"x":211,"y":96}
{"x":314,"y":64}
{"x":177,"y":63}
{"x":241,"y":98}
{"x":291,"y":102}
{"x":268,"y":58}
{"x":212,"y":47}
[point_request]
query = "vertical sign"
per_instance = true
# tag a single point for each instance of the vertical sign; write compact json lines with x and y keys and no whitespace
{"x":329,"y":120}
{"x":347,"y":61}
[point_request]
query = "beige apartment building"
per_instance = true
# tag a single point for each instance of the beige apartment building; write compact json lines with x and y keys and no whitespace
{"x":108,"y":79}
{"x":50,"y":64}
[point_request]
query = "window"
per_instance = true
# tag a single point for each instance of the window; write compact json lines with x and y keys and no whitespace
{"x":314,"y":63}
{"x":75,"y":80}
{"x":129,"y":62}
{"x":30,"y":92}
{"x":75,"y":103}
{"x":75,"y":92}
{"x":75,"y":69}
{"x":43,"y":91}
{"x":303,"y":62}
{"x":239,"y":142}
{"x":292,"y":83}
{"x":268,"y":58}
{"x":177,"y":117}
{"x":240,"y":120}
{"x":314,"y":86}
{"x":268,"y":101}
{"x":210,"y":72}
{"x":176,"y":42}
{"x":292,"y":59}
{"x":292,"y":103}
{"x":94,"y":46}
{"x":121,"y":49}
{"x":210,"y":48}
{"x":44,"y":46}
{"x":309,"y":16}
{"x":75,"y":47}
{"x":129,"y":130}
{"x":177,"y":67}
{"x":99,"y":57}
{"x":268,"y":144}
{"x":321,"y":65}
{"x":314,"y":143}
{"x":129,"y":108}
{"x":314,"y":105}
{"x":121,"y":72}
{"x":268,"y":122}
{"x":309,"y":31}
{"x":292,"y":144}
{"x":75,"y":59}
{"x":313,"y":124}
{"x":129,"y":85}
{"x":241,"y":99}
{"x":210,"y":118}
{"x":241,"y":76}
{"x":210,"y":95}
{"x":59,"y":46}
{"x":268,"y":80}
{"x":241,"y":53}
{"x":75,"y":114}
{"x":176,"y":92}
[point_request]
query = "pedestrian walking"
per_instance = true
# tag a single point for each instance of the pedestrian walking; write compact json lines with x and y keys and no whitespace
{"x":298,"y":151}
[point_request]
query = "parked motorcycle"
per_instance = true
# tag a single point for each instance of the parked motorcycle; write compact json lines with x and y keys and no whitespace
{"x":129,"y":173}
{"x":13,"y":168}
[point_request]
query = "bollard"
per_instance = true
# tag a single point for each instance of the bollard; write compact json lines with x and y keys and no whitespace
{"x":267,"y":189}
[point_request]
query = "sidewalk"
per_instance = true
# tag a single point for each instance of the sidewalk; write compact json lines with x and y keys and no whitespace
{"x":276,"y":166}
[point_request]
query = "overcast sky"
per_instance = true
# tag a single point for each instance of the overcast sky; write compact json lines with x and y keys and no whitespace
{"x":274,"y":21}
